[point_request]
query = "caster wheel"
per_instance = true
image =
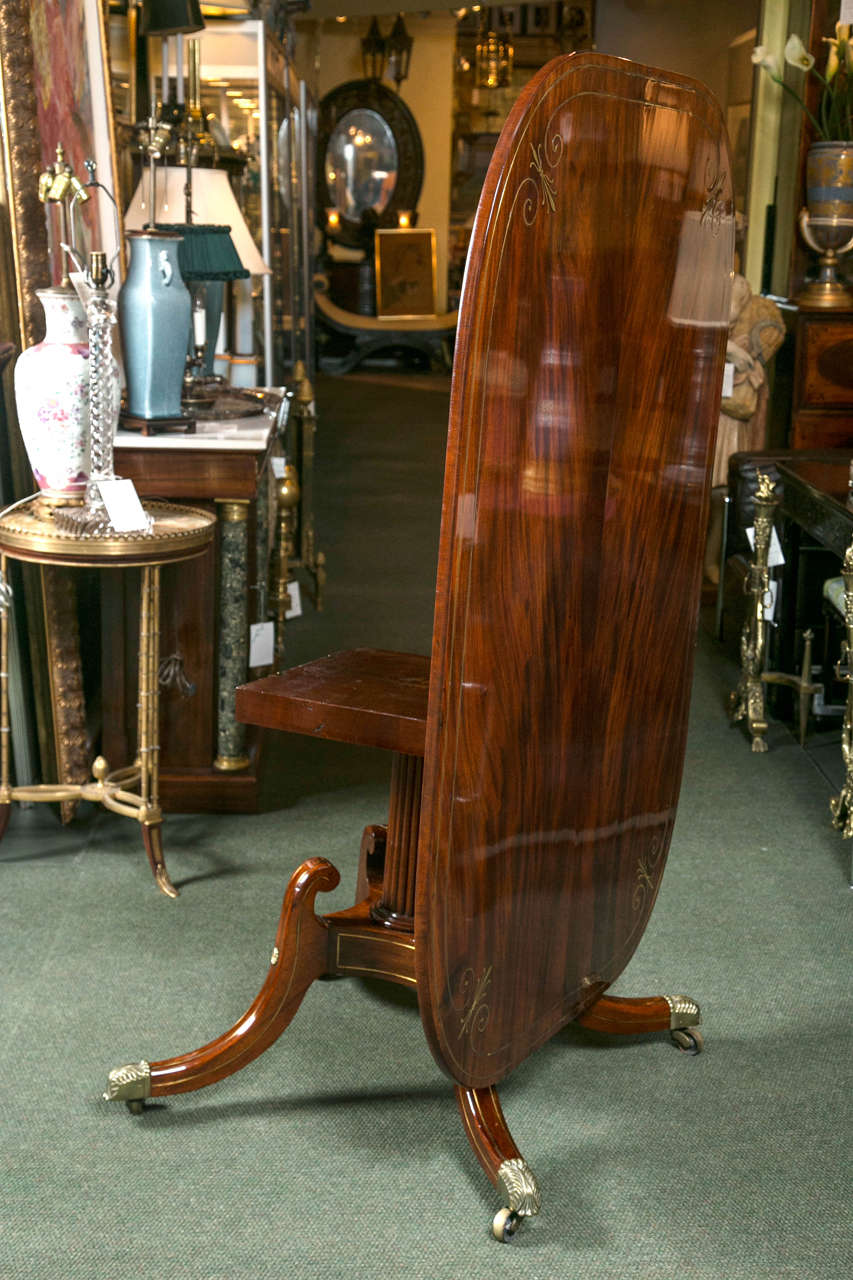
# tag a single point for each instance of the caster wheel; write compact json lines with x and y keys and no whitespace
{"x":688,"y":1040}
{"x":136,"y":1106}
{"x":505,"y":1224}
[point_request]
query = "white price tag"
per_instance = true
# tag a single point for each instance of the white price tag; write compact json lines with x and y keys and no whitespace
{"x":278,"y":464}
{"x":295,"y":610}
{"x":770,"y":600}
{"x":261,"y":643}
{"x":775,"y":555}
{"x":728,"y":380}
{"x":846,"y":14}
{"x":126,"y":513}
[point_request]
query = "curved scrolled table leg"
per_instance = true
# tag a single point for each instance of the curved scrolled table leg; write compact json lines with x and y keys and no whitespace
{"x":629,"y":1015}
{"x":152,"y":835}
{"x":502,"y":1161}
{"x":299,"y":956}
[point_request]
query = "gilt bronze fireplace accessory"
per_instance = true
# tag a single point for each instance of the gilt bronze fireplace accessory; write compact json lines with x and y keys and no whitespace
{"x":841,"y":806}
{"x":747,"y":700}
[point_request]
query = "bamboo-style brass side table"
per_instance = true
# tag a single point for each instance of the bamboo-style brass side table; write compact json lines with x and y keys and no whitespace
{"x":29,"y":531}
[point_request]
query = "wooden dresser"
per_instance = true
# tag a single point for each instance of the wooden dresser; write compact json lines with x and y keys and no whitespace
{"x":208,"y":761}
{"x":822,"y":407}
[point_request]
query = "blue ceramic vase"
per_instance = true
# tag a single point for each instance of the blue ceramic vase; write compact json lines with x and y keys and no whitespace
{"x":154,"y":309}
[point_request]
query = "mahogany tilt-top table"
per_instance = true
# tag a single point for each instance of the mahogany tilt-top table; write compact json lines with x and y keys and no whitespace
{"x":537,"y":754}
{"x":29,"y":531}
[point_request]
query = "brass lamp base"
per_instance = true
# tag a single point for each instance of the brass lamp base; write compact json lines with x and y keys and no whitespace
{"x":830,"y":238}
{"x":825,"y":295}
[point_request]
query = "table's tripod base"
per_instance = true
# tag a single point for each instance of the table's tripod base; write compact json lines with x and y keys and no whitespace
{"x":500,"y":1158}
{"x":631,"y":1015}
{"x":349,"y":943}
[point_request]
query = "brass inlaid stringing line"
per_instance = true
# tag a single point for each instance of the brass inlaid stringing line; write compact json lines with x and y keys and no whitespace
{"x":364,"y":968}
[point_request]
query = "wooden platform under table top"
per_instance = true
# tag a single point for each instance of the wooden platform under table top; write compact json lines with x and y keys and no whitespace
{"x":372,"y":697}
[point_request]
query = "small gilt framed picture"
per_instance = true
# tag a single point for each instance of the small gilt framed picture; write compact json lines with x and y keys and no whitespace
{"x":405,"y":273}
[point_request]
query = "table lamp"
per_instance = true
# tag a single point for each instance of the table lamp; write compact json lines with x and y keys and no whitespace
{"x":207,"y":258}
{"x":213,"y":204}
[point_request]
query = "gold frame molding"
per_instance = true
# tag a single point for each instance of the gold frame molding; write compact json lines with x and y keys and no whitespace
{"x":24,"y":268}
{"x":24,"y":220}
{"x":388,"y":242}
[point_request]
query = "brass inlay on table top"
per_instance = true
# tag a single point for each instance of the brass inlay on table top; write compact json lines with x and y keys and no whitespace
{"x":177,"y":531}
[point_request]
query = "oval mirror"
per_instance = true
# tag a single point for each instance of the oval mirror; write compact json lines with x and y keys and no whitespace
{"x":361,"y":164}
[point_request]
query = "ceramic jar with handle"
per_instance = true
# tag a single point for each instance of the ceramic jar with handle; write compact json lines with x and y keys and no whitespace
{"x":52,"y":397}
{"x":154,"y":309}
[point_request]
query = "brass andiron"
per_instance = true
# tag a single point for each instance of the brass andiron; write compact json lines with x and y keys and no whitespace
{"x":841,"y":805}
{"x":803,"y":683}
{"x":748,"y":698}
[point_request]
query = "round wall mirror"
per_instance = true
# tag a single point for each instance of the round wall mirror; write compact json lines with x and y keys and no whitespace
{"x":361,"y":164}
{"x":370,"y":160}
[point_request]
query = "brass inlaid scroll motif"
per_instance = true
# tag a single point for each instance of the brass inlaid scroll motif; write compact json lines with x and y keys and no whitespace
{"x":472,"y":993}
{"x":714,"y":206}
{"x":644,"y":880}
{"x":545,"y":155}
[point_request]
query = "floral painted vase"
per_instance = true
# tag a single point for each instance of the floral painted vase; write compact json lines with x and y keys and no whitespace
{"x":52,"y":395}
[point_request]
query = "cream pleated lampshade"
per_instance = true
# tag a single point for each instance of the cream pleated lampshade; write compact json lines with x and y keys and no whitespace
{"x":212,"y":202}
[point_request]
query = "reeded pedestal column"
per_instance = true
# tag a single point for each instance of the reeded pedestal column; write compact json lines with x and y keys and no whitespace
{"x":233,"y":632}
{"x":397,"y":904}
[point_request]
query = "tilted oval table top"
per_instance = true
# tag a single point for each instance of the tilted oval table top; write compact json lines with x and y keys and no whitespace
{"x":28,"y":531}
{"x":584,"y":403}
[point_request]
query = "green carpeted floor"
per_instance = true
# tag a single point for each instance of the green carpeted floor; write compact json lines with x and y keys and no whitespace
{"x":339,"y":1153}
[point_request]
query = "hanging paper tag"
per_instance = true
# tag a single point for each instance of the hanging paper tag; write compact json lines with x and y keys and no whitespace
{"x":775,"y":555}
{"x":295,"y":610}
{"x":846,"y":14}
{"x":728,"y":380}
{"x":261,"y":643}
{"x":278,"y":464}
{"x":126,"y":512}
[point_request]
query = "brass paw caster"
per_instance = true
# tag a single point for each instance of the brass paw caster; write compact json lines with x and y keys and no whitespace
{"x":516,"y":1180}
{"x":505,"y":1224}
{"x":130,"y":1084}
{"x":688,"y":1040}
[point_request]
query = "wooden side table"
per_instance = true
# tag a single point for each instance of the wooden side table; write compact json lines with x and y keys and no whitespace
{"x":28,"y":532}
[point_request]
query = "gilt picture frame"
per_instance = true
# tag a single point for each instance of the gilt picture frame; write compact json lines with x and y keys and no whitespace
{"x":46,"y":99}
{"x":405,"y":273}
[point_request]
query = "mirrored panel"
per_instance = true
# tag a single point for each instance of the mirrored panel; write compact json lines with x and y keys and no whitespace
{"x":361,"y":164}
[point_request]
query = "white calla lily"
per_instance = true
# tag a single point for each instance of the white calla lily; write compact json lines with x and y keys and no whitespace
{"x":797,"y":55}
{"x":766,"y":60}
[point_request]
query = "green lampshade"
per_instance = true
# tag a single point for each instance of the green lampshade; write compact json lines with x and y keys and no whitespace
{"x":206,"y":252}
